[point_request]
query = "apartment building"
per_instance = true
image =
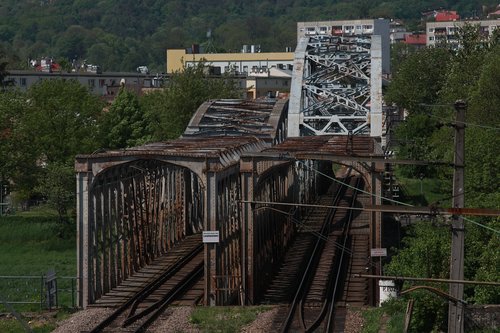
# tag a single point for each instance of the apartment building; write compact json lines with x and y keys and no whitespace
{"x":446,"y":32}
{"x":351,"y":28}
{"x":243,"y":63}
{"x":104,"y":84}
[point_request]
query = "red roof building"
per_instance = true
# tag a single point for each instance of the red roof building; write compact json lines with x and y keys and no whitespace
{"x":447,"y":15}
{"x":495,"y":14}
{"x":416,"y":39}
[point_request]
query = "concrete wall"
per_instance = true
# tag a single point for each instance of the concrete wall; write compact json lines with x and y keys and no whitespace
{"x":482,"y":317}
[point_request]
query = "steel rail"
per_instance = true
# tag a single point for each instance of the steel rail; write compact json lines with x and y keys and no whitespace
{"x":334,"y":295}
{"x":147,"y":290}
{"x":333,"y":284}
{"x":159,"y":307}
{"x":299,"y":295}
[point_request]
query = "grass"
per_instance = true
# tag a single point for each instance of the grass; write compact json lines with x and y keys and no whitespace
{"x":39,"y":322}
{"x":372,"y":318}
{"x":424,"y":192}
{"x":29,"y":246}
{"x":394,"y":310}
{"x":225,"y":319}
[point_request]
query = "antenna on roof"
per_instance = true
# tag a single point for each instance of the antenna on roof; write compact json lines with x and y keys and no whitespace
{"x":209,"y":44}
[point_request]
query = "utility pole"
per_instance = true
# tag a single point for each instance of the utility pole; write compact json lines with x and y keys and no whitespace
{"x":456,"y":309}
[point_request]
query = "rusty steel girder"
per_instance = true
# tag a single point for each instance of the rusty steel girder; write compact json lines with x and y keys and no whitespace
{"x":269,"y":230}
{"x":265,"y":119}
{"x":138,"y":211}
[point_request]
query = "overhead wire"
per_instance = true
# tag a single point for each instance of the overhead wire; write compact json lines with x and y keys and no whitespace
{"x":315,"y":233}
{"x":143,"y":171}
{"x":455,"y":121}
{"x":388,"y":199}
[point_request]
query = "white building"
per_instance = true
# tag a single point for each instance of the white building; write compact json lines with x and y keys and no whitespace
{"x":366,"y":27}
{"x":446,"y":32}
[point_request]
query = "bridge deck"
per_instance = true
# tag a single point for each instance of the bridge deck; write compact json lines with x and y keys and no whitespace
{"x":145,"y":275}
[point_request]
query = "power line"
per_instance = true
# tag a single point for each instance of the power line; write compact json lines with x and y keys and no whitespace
{"x":382,"y":197}
{"x":457,"y":122}
{"x":363,"y":191}
{"x":481,"y":225}
{"x":143,"y":172}
{"x":468,"y":124}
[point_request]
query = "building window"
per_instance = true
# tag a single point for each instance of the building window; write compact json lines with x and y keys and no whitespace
{"x":310,"y":30}
{"x":285,"y":83}
{"x":102,"y":82}
{"x":431,"y":38}
{"x":22,"y":82}
{"x":91,"y":83}
{"x":245,"y":69}
{"x":431,"y":29}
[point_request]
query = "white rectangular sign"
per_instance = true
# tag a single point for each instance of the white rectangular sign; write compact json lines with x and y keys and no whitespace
{"x":382,"y":252}
{"x":210,"y":236}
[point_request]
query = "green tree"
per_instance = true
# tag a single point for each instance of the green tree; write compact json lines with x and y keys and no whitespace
{"x":471,"y":74}
{"x":414,"y":143}
{"x":62,"y":120}
{"x":124,"y":125}
{"x":58,"y":187}
{"x":482,"y":139}
{"x":57,"y":120}
{"x":425,"y":254}
{"x":419,"y":79}
{"x":488,"y":268}
{"x":18,"y":165}
{"x":399,"y":53}
{"x":3,"y":72}
{"x":170,"y":110}
{"x":15,"y":159}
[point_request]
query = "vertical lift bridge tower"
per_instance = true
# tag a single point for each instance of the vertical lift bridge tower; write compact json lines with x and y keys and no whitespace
{"x":337,"y":88}
{"x":337,"y":78}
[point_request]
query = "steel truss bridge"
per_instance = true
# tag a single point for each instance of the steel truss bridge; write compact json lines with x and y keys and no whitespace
{"x":135,"y":204}
{"x":337,"y":86}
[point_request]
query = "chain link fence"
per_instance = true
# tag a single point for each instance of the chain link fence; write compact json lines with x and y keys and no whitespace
{"x":33,"y":292}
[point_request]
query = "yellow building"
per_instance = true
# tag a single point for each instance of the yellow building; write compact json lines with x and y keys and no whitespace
{"x":260,"y":74}
{"x":234,"y":63}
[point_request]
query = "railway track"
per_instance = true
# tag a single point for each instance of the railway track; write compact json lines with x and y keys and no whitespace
{"x":319,"y":301}
{"x":181,"y":283}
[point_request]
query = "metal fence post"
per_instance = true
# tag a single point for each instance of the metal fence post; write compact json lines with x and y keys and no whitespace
{"x":41,"y":292}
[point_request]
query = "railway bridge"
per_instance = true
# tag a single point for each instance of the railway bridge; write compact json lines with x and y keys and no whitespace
{"x":227,"y":174}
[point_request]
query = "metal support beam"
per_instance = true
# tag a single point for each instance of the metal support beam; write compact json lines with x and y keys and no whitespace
{"x":456,"y":310}
{"x":295,"y":107}
{"x":82,"y":248}
{"x":336,"y":86}
{"x":376,"y":87}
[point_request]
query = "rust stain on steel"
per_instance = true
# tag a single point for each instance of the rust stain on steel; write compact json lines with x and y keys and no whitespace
{"x":473,"y":211}
{"x":234,"y":116}
{"x":197,"y":147}
{"x":334,"y":144}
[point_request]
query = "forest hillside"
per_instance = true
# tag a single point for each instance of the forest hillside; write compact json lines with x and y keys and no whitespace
{"x":124,"y":34}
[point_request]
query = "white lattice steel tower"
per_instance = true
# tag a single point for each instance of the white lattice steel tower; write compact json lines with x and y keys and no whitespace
{"x":337,"y":79}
